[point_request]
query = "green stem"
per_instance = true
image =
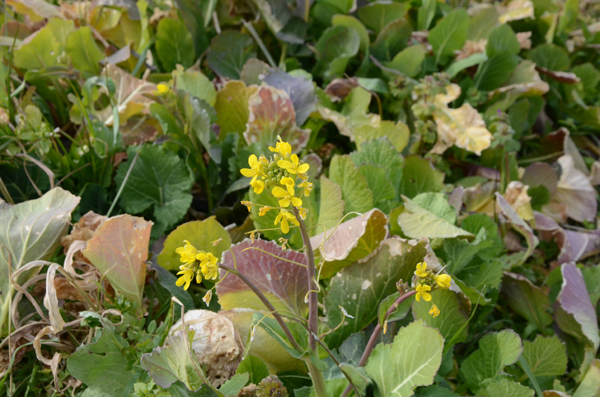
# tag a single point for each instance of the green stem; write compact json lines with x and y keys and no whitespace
{"x":313,"y":308}
{"x":6,"y":310}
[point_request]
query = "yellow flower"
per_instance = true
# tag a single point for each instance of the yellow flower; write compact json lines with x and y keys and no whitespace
{"x":289,"y":184}
{"x":263,"y":211}
{"x":285,"y":197}
{"x":283,"y":148}
{"x":423,"y":292}
{"x":209,"y":266}
{"x":293,"y":166}
{"x":285,"y":216}
{"x":248,"y":205}
{"x":186,"y":278}
{"x":421,"y":269}
{"x":307,"y":186}
{"x":188,"y":253}
{"x":256,"y":168}
{"x":163,"y":89}
{"x":443,"y":280}
{"x":302,"y":212}
{"x":434,"y":310}
{"x":207,"y":297}
{"x":258,"y":185}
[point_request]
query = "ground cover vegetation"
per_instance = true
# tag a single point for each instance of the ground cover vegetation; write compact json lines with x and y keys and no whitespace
{"x":299,"y":198}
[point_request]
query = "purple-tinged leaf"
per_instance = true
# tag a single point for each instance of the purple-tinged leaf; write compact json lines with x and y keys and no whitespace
{"x":526,"y":299}
{"x":518,"y":224}
{"x":300,"y":89}
{"x":574,"y":313}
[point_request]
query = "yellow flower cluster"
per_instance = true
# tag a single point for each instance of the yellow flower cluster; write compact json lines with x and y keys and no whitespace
{"x":278,"y":175}
{"x":426,"y":282}
{"x":196,"y":263}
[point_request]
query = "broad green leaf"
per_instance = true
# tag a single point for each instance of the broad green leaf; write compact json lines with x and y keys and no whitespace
{"x":590,"y":384}
{"x":429,"y":215}
{"x":550,"y":56}
{"x":590,"y":77}
{"x":30,"y":231}
{"x":195,"y":83}
{"x":463,"y":64}
{"x":232,"y":108}
{"x":419,"y":176}
{"x":546,"y":356}
{"x":449,"y":34}
{"x":504,"y":388}
{"x":119,"y":250}
{"x":274,"y":271}
{"x":173,"y":362}
{"x":36,"y":10}
{"x":355,"y":189}
{"x":397,"y":133}
{"x":233,"y":386}
{"x":411,"y":360}
{"x":574,"y":313}
{"x":382,"y":188}
{"x":474,"y":223}
{"x":272,"y":114}
{"x":198,"y":114}
{"x":256,"y":369}
{"x":496,"y":350}
{"x":299,"y":86}
{"x":435,"y":391}
{"x":502,"y":41}
{"x":381,"y":153}
{"x":351,"y":241}
{"x":159,"y":179}
{"x":101,"y":365}
{"x":39,"y":53}
{"x":458,"y":254}
{"x":426,"y":14}
{"x":85,"y":54}
{"x":526,"y":299}
{"x":229,"y":51}
{"x":392,"y":39}
{"x":351,"y":22}
{"x":409,"y":60}
{"x":492,"y":73}
{"x":362,"y":286}
{"x":379,"y":14}
{"x":201,"y":234}
{"x":331,"y":208}
{"x":482,"y":24}
{"x":281,"y":21}
{"x":336,"y":46}
{"x":488,"y":274}
{"x":453,"y":314}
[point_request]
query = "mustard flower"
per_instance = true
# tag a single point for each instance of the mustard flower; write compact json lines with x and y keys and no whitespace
{"x":258,"y":185}
{"x":263,"y":211}
{"x":283,"y":217}
{"x":162,"y":89}
{"x":421,"y":270}
{"x":285,"y":197}
{"x":282,"y":148}
{"x":423,"y":292}
{"x":186,"y":278}
{"x":293,"y":166}
{"x":256,"y":167}
{"x":443,"y":280}
{"x":434,"y":311}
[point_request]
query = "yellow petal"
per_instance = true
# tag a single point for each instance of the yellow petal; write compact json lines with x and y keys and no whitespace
{"x":287,"y":181}
{"x":294,"y":158}
{"x":296,"y":202}
{"x":285,"y":228}
{"x":285,"y":164}
{"x":285,"y":202}
{"x":303,"y":168}
{"x":279,"y":192}
{"x":252,"y":160}
{"x":248,"y":172}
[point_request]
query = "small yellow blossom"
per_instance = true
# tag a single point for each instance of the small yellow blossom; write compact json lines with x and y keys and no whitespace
{"x":207,"y":297}
{"x":284,"y":243}
{"x":188,"y":252}
{"x":282,"y":148}
{"x":285,"y":197}
{"x":289,"y":184}
{"x":443,"y":280}
{"x":423,"y":292}
{"x":258,"y":185}
{"x":434,"y":310}
{"x":283,"y":217}
{"x":248,"y":205}
{"x":421,"y":269}
{"x":216,"y":242}
{"x":254,"y":234}
{"x":307,"y":186}
{"x":162,"y":89}
{"x":256,"y":167}
{"x":303,"y":212}
{"x":186,"y":278}
{"x":263,"y":211}
{"x":196,"y":263}
{"x":293,"y":166}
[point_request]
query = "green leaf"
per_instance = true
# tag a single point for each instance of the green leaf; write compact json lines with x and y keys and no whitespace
{"x":449,"y":34}
{"x":119,"y":250}
{"x":174,"y":44}
{"x":84,"y":52}
{"x":519,"y":225}
{"x":504,"y":388}
{"x":526,"y":299}
{"x":376,"y":177}
{"x":101,"y":366}
{"x":474,"y":223}
{"x":400,"y":313}
{"x":502,"y":41}
{"x":173,"y":362}
{"x":361,"y":287}
{"x":463,"y":64}
{"x":495,"y":71}
{"x":355,"y":189}
{"x":396,"y":133}
{"x":381,"y":153}
{"x":550,"y":56}
{"x":195,"y":83}
{"x":336,"y":46}
{"x":487,"y":274}
{"x":256,"y":369}
{"x":379,"y":14}
{"x":546,"y":356}
{"x":411,"y":360}
{"x":229,"y":51}
{"x":351,"y":241}
{"x":590,"y":77}
{"x":233,"y":386}
{"x":452,"y":318}
{"x":482,"y":24}
{"x":159,"y":179}
{"x":392,"y":39}
{"x":419,"y":176}
{"x":351,"y":22}
{"x":200,"y":234}
{"x":496,"y":350}
{"x":39,"y":53}
{"x":429,"y":215}
{"x":426,"y":14}
{"x":459,"y":253}
{"x":590,"y":384}
{"x":47,"y":218}
{"x":331,"y":208}
{"x":409,"y":60}
{"x":168,"y":281}
{"x":232,"y":108}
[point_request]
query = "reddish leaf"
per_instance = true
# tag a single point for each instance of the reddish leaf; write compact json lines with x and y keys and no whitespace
{"x":285,"y":284}
{"x":119,"y":250}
